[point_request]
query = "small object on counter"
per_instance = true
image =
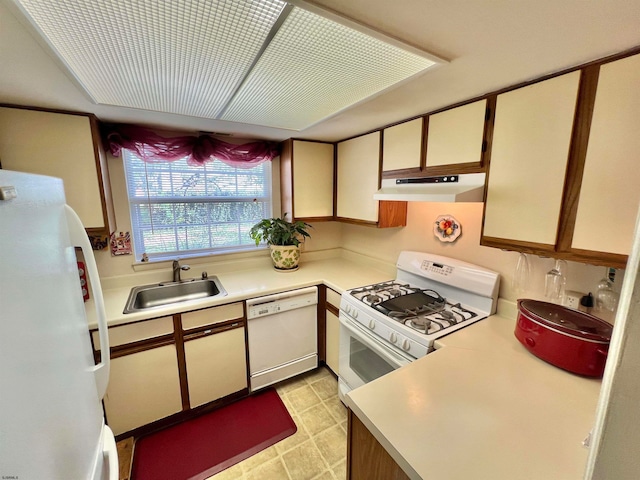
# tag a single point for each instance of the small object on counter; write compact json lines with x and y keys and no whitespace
{"x":205,"y":275}
{"x":606,"y":296}
{"x":586,"y":303}
{"x":566,"y":338}
{"x":145,"y":257}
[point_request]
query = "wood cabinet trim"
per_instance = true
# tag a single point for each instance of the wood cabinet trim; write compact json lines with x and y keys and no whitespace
{"x":322,"y":323}
{"x":366,"y":457}
{"x":486,"y":154}
{"x":392,"y":213}
{"x":577,"y":157}
{"x":403,"y":173}
{"x":213,"y":329}
{"x":286,"y":178}
{"x":518,"y":245}
{"x":102,"y":169}
{"x":610,"y":58}
{"x":332,"y":309}
{"x":139,"y":346}
{"x":182,"y":362}
{"x":355,"y":221}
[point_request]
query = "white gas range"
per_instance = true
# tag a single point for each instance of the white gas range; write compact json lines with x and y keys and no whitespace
{"x":389,"y":324}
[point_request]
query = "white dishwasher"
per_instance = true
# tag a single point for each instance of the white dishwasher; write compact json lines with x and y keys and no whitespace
{"x":283,"y":336}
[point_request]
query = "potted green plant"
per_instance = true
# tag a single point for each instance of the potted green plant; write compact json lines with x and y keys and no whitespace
{"x":283,"y":238}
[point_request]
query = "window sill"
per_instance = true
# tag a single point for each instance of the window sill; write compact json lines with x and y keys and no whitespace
{"x":231,"y":255}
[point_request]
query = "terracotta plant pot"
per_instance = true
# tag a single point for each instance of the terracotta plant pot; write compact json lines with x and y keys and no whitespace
{"x":285,"y":257}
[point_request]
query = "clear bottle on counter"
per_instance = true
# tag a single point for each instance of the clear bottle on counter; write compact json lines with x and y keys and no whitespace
{"x":606,"y":296}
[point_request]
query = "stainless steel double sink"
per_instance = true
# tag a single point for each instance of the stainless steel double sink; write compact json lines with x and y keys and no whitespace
{"x":162,"y":294}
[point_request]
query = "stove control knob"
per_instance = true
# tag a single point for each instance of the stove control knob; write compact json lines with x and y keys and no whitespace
{"x":406,"y":345}
{"x":372,"y":324}
{"x":393,"y":338}
{"x":355,"y":313}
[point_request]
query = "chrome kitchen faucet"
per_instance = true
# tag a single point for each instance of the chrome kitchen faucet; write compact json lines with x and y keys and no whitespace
{"x":176,"y":270}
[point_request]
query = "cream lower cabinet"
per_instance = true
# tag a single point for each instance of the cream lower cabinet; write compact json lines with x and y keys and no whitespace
{"x":143,"y":387}
{"x":332,"y":331}
{"x":216,"y":363}
{"x":333,"y":342}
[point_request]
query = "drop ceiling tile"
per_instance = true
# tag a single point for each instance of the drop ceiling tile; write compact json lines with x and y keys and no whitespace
{"x":315,"y":67}
{"x":184,"y":57}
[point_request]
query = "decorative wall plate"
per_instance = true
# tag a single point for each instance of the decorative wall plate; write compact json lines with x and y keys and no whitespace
{"x":447,"y":228}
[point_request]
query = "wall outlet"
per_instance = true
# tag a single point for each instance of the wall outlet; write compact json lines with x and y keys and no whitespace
{"x":572,"y":299}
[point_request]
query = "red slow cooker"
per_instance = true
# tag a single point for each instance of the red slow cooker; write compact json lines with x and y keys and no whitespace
{"x":569,"y":339}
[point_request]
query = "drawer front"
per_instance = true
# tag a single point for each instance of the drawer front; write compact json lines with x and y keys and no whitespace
{"x":333,"y":298}
{"x":212,"y":315}
{"x":134,"y":332}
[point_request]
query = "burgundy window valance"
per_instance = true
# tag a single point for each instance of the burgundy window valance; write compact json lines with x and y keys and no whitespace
{"x":151,"y":147}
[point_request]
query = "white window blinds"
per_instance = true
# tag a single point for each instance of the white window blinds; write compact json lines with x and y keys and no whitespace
{"x":178,"y":210}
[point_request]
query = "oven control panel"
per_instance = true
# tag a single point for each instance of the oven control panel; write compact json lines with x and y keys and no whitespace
{"x":438,"y":268}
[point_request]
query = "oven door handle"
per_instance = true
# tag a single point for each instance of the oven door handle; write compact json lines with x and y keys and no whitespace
{"x":380,"y":348}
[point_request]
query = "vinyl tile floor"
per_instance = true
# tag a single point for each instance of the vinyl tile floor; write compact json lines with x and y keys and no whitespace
{"x":317,"y":451}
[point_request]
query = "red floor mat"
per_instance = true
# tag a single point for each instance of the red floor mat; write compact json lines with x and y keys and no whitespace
{"x":204,"y":446}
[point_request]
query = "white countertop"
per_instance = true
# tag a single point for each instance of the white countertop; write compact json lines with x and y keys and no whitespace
{"x":481,"y":407}
{"x":338,"y":273}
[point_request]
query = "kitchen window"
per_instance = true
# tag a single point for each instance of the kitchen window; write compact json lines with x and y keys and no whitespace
{"x":182,"y":210}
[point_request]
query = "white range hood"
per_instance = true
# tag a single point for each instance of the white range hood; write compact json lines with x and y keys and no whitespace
{"x":446,"y":188}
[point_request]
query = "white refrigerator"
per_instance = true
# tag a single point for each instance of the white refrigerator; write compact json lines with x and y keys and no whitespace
{"x":51,"y":419}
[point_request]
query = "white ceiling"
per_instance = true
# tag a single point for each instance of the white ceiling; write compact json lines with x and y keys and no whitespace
{"x":490,"y":44}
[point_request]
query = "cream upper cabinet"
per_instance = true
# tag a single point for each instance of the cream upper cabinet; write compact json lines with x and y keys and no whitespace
{"x":531,"y":139}
{"x":455,"y":136}
{"x":402,"y":146}
{"x":306,"y":179}
{"x":312,"y":179}
{"x":610,"y":192}
{"x":63,"y":146}
{"x":358,"y":170}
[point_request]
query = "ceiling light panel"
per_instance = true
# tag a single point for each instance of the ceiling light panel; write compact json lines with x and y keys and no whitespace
{"x":184,"y":57}
{"x":315,"y":67}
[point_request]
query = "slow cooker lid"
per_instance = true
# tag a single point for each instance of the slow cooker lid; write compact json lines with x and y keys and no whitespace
{"x":568,"y":320}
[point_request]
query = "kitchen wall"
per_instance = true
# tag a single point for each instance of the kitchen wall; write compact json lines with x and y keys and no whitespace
{"x":324,"y":235}
{"x":386,"y":244}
